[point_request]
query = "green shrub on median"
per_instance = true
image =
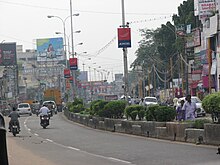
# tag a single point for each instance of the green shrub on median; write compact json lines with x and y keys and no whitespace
{"x":139,"y":111}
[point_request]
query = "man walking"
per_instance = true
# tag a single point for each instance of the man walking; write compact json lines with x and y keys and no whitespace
{"x":190,"y":108}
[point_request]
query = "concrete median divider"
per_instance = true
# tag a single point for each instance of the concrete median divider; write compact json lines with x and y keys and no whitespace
{"x":176,"y":131}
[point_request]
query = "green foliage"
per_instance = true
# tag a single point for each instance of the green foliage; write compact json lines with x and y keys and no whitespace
{"x":160,"y":113}
{"x":140,"y":111}
{"x":97,"y":108}
{"x":113,"y":109}
{"x":141,"y":114}
{"x":165,"y":113}
{"x":76,"y":106}
{"x":133,"y":115}
{"x":150,"y":113}
{"x":199,"y":123}
{"x":211,"y":103}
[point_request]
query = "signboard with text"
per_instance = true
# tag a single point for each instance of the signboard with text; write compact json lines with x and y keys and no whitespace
{"x":66,"y":73}
{"x":8,"y":54}
{"x":206,"y":8}
{"x":124,"y":37}
{"x":73,"y":63}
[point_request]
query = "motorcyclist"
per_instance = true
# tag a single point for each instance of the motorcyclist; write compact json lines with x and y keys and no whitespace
{"x":14,"y":115}
{"x":44,"y":111}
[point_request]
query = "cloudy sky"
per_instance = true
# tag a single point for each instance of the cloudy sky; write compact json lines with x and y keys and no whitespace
{"x":24,"y":21}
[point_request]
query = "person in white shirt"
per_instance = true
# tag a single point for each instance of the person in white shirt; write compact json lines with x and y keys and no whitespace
{"x":190,"y":108}
{"x":44,"y":110}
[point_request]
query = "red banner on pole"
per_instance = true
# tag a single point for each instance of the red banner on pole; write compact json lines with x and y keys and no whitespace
{"x":66,"y":73}
{"x":73,"y":63}
{"x":124,"y":37}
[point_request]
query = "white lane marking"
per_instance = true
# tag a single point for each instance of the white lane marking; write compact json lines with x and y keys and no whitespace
{"x":119,"y":160}
{"x":72,"y":148}
{"x":76,"y":149}
{"x":49,"y":140}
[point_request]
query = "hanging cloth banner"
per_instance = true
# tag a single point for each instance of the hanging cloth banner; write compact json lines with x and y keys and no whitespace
{"x":66,"y":73}
{"x":73,"y":64}
{"x":124,"y":37}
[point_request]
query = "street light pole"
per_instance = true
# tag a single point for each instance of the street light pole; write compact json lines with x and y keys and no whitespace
{"x":126,"y":89}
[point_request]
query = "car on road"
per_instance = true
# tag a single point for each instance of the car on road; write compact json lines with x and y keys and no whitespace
{"x":199,"y":109}
{"x":51,"y":106}
{"x":150,"y":101}
{"x":24,"y":108}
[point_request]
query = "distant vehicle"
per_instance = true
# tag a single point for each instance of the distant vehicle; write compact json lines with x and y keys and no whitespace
{"x":55,"y":95}
{"x":150,"y":101}
{"x":24,"y":108}
{"x":51,"y":106}
{"x":199,"y":109}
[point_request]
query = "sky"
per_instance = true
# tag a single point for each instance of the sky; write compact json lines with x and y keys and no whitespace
{"x":24,"y":21}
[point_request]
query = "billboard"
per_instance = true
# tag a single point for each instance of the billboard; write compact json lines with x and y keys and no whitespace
{"x":50,"y":49}
{"x":206,"y":8}
{"x":8,"y":54}
{"x":124,"y":37}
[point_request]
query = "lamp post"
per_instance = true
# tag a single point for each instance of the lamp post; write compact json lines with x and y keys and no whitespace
{"x":64,"y":29}
{"x":68,"y":39}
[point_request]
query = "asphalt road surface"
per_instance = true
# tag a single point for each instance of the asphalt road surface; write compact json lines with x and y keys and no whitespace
{"x":67,"y":143}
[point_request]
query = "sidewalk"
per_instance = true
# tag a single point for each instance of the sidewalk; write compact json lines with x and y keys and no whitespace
{"x":20,"y":156}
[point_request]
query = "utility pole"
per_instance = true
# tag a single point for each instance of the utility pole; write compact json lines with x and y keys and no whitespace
{"x":73,"y":72}
{"x":171,"y":73}
{"x":125,"y":51}
{"x":148,"y":82}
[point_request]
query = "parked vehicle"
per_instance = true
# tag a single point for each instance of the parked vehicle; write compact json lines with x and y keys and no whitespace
{"x":199,"y":109}
{"x":150,"y":101}
{"x":14,"y":128}
{"x":24,"y":108}
{"x":44,"y":121}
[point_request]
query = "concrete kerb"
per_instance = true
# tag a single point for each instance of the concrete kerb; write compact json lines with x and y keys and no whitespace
{"x":176,"y":131}
{"x":212,"y":134}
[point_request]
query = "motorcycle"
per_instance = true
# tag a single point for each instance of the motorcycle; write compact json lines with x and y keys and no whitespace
{"x":44,"y":121}
{"x":14,"y":128}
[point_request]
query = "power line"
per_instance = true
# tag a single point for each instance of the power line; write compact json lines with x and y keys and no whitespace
{"x":83,"y":11}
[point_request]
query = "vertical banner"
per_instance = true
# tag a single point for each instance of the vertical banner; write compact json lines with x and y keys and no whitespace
{"x":124,"y":37}
{"x":71,"y":79}
{"x":73,"y":63}
{"x":8,"y":54}
{"x":66,"y":73}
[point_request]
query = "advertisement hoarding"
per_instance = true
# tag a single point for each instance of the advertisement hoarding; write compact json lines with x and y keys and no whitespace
{"x":66,"y":73}
{"x":124,"y":37}
{"x":8,"y":54}
{"x":73,"y":64}
{"x":50,"y":49}
{"x":206,"y":8}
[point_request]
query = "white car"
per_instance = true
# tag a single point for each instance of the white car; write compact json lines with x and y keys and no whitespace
{"x":199,"y":109}
{"x":150,"y":101}
{"x":51,"y":106}
{"x":24,"y":108}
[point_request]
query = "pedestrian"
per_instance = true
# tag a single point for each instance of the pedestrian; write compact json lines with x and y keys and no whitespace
{"x":180,"y":113}
{"x":142,"y":102}
{"x":132,"y":101}
{"x":190,"y":108}
{"x":137,"y":100}
{"x":175,"y":103}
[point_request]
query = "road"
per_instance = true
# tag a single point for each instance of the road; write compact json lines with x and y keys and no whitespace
{"x":65,"y":142}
